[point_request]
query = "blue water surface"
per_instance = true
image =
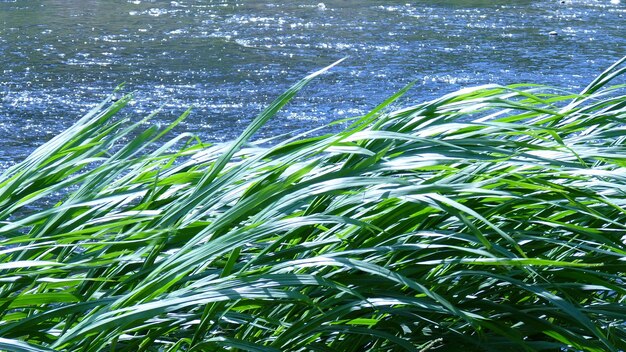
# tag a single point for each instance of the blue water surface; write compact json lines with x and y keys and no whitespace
{"x":229,"y":59}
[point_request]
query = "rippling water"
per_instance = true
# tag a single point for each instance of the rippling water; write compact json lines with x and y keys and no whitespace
{"x":230,"y":58}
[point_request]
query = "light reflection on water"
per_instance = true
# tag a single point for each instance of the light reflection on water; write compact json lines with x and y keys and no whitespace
{"x":229,"y":59}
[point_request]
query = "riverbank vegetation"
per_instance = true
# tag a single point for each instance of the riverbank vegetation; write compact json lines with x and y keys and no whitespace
{"x":490,"y":219}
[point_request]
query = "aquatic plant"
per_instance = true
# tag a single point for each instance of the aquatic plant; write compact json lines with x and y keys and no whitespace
{"x":490,"y":219}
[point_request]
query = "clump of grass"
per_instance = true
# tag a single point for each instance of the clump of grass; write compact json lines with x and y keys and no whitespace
{"x":490,"y":219}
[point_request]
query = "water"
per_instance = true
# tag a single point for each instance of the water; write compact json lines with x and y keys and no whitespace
{"x":229,"y":59}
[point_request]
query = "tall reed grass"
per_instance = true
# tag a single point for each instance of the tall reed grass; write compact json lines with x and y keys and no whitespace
{"x":490,"y":219}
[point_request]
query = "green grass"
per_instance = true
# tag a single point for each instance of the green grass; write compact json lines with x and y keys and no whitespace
{"x":490,"y":219}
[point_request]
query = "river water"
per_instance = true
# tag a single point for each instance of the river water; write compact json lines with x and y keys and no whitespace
{"x":229,"y":59}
